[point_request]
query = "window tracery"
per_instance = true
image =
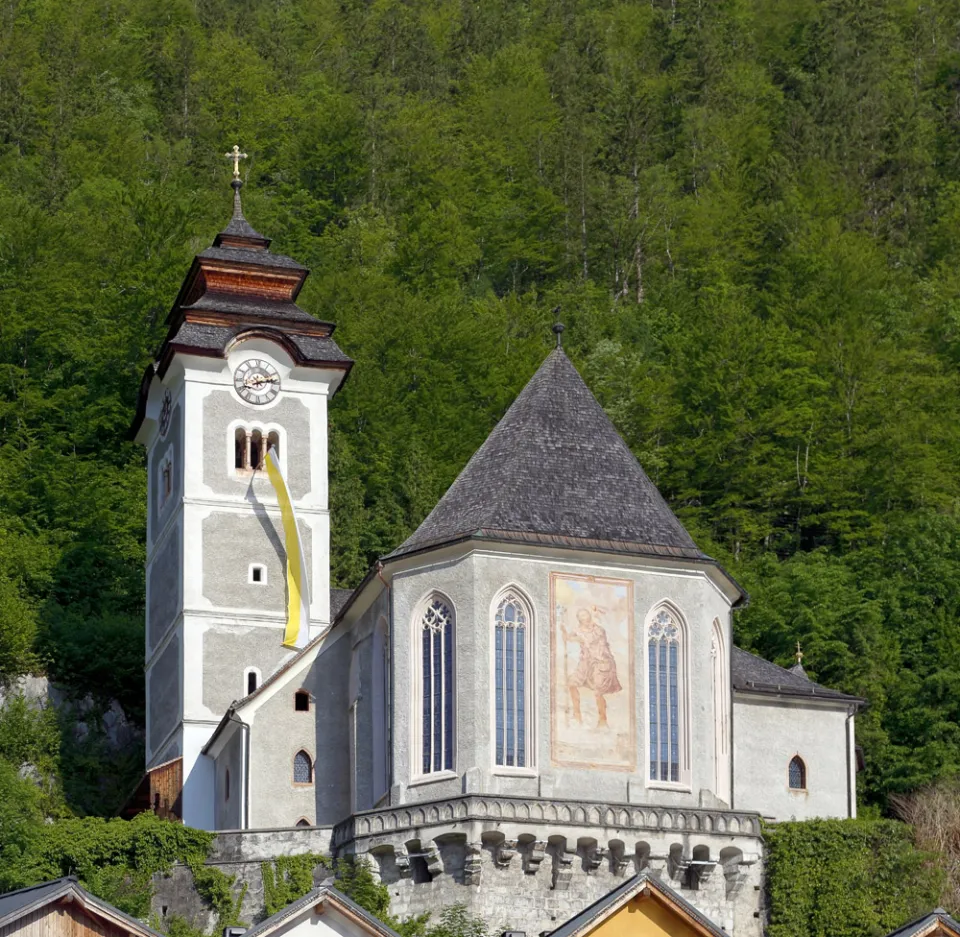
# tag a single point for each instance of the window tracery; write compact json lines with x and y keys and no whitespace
{"x":511,"y":654}
{"x":665,"y":701}
{"x":436,"y":686}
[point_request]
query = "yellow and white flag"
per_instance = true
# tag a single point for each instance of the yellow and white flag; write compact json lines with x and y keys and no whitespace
{"x":296,"y":634}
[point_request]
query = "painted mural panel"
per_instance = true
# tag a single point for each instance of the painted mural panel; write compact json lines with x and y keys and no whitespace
{"x":592,"y":698}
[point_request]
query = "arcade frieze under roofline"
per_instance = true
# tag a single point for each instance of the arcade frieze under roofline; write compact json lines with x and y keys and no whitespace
{"x":601,"y":821}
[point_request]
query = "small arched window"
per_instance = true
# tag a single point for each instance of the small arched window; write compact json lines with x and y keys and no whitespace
{"x":240,"y":460}
{"x":436,"y":686}
{"x":302,"y":768}
{"x":666,"y":697}
{"x":226,"y":784}
{"x":303,"y":821}
{"x":797,"y":774}
{"x":273,"y":442}
{"x":301,"y":701}
{"x":511,"y":642}
{"x":251,"y":681}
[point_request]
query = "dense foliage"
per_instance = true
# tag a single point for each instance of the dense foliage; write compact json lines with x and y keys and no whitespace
{"x":114,"y":859}
{"x":846,"y":878}
{"x":747,"y":210}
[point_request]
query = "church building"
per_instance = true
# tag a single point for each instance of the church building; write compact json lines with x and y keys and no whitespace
{"x":533,"y":698}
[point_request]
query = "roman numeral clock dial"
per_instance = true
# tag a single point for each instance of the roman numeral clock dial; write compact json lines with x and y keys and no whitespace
{"x":256,"y":381}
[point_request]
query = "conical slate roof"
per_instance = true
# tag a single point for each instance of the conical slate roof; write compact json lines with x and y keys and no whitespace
{"x":555,"y":470}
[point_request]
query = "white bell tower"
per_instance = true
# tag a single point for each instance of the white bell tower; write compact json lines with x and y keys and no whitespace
{"x":242,"y":367}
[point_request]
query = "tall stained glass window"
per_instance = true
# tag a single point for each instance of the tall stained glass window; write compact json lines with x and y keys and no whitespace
{"x":665,"y":683}
{"x":436,"y":647}
{"x":510,"y":648}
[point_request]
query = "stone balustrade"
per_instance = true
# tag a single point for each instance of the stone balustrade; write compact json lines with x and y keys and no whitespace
{"x":455,"y":812}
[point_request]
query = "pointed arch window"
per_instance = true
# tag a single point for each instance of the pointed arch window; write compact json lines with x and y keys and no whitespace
{"x":665,"y":679}
{"x":302,"y":768}
{"x":436,"y":627}
{"x":797,"y":774}
{"x":511,"y":650}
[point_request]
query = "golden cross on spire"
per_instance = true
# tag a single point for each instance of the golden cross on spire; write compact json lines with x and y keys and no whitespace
{"x":236,"y":156}
{"x":799,"y":654}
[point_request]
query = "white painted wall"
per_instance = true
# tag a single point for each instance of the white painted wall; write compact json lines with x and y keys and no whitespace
{"x":768,"y":732}
{"x":329,"y":923}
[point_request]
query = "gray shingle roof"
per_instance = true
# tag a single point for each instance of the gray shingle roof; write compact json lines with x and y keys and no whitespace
{"x":554,"y":469}
{"x":262,"y":258}
{"x":938,"y":921}
{"x":756,"y":675}
{"x":622,"y":893}
{"x":338,"y":598}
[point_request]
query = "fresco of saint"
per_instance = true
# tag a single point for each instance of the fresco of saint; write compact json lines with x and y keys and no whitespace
{"x":591,"y":687}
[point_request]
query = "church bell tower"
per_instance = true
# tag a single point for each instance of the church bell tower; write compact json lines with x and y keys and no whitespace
{"x":242,"y":368}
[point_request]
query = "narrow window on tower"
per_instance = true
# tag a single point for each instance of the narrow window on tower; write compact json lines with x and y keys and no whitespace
{"x":166,"y":480}
{"x":240,"y":448}
{"x":257,"y":574}
{"x":256,"y":450}
{"x":512,"y":641}
{"x":301,"y":701}
{"x":251,"y":680}
{"x":666,"y":689}
{"x":435,"y":627}
{"x":273,"y":442}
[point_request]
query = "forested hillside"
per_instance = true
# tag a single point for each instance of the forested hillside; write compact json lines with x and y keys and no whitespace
{"x":748,"y":213}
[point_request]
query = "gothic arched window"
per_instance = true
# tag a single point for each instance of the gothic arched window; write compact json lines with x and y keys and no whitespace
{"x":302,"y":768}
{"x":511,"y":645}
{"x":436,"y":686}
{"x":665,"y":680}
{"x":797,"y":774}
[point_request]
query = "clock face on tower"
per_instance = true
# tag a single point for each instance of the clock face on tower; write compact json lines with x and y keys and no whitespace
{"x":256,"y":381}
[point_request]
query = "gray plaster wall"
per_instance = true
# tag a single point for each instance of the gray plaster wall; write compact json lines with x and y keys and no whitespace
{"x":231,"y":542}
{"x":368,"y":696}
{"x":278,"y":732}
{"x":228,"y":650}
{"x":220,"y":409}
{"x":471,"y":584}
{"x":169,"y":446}
{"x":163,"y":693}
{"x":767,"y":733}
{"x":164,"y":586}
{"x":227,"y":809}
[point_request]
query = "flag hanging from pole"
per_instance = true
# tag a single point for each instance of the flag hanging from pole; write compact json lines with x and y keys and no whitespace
{"x":296,"y":633}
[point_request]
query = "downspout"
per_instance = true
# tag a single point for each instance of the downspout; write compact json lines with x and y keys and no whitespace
{"x":391,"y":628}
{"x":851,"y":776}
{"x":245,"y":818}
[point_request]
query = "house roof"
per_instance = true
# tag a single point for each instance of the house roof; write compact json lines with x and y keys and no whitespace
{"x":937,"y":921}
{"x":17,"y":904}
{"x":555,"y":470}
{"x":755,"y":675}
{"x":595,"y":914}
{"x":322,"y":894}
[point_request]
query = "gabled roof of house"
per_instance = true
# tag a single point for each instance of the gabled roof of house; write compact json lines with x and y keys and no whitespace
{"x":644,"y":883}
{"x":937,"y":921}
{"x":555,"y":470}
{"x":755,"y":675}
{"x":17,"y":904}
{"x":323,"y":894}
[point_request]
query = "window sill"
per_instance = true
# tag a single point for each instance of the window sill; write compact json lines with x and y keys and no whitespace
{"x":678,"y":786}
{"x":430,"y":778}
{"x":507,"y":772}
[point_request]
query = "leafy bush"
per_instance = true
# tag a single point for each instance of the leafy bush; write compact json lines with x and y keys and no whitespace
{"x":846,"y":878}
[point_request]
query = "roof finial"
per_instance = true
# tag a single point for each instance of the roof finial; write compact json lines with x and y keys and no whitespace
{"x":236,"y":183}
{"x":236,"y":156}
{"x":799,"y":655}
{"x":557,"y":326}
